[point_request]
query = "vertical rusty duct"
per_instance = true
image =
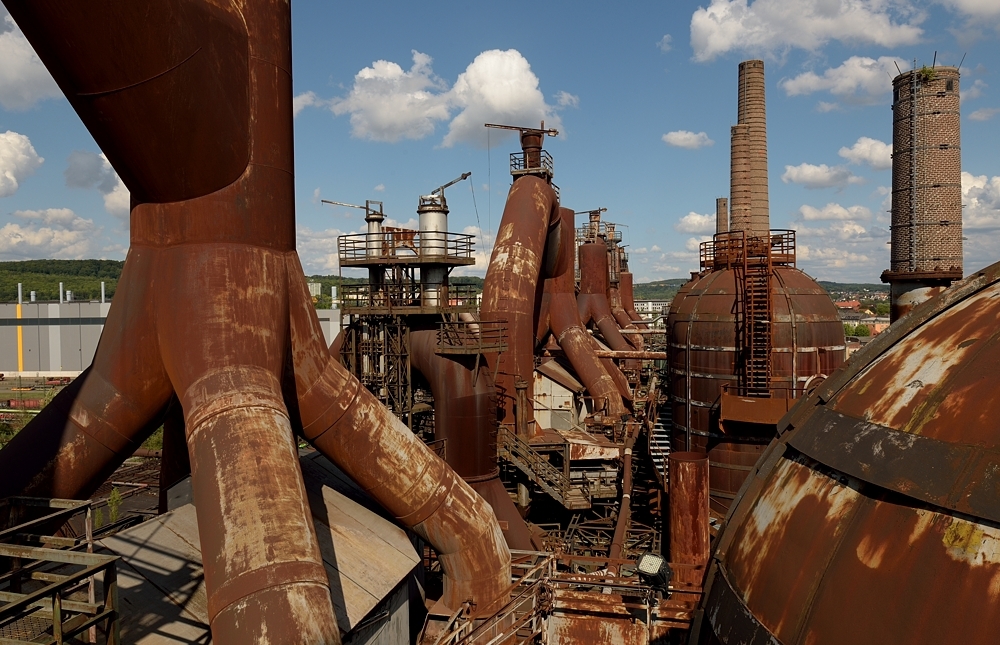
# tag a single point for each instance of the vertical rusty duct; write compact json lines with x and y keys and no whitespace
{"x":751,"y":112}
{"x":739,"y":180}
{"x":593,"y":299}
{"x":510,"y":291}
{"x":689,"y":535}
{"x":175,"y":463}
{"x":628,"y":299}
{"x":338,"y":344}
{"x":622,"y":317}
{"x":560,"y":315}
{"x":521,"y":409}
{"x":531,"y":144}
{"x":348,"y":425}
{"x":625,"y":506}
{"x":721,"y":215}
{"x":465,"y":419}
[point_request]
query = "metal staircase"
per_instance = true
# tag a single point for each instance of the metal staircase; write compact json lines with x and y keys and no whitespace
{"x":753,"y":318}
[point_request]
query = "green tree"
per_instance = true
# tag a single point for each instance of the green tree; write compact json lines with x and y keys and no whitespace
{"x":848,"y":329}
{"x":862,"y":330}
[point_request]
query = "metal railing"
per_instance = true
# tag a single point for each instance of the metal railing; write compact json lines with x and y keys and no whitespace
{"x":727,"y":250}
{"x":520,"y":165}
{"x":407,"y":296}
{"x":43,"y":585}
{"x":405,"y":245}
{"x":461,"y":337}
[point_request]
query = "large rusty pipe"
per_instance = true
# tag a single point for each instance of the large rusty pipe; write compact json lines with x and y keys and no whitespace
{"x":593,"y":299}
{"x":627,"y":289}
{"x":625,"y":506}
{"x":348,"y":425}
{"x":465,"y":419}
{"x":689,"y":533}
{"x":510,"y":290}
{"x":562,"y":317}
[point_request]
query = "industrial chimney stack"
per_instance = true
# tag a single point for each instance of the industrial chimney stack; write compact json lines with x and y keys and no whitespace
{"x":748,"y":178}
{"x":926,"y":254}
{"x":721,"y":215}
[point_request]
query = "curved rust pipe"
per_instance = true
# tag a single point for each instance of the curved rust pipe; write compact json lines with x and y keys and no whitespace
{"x":191,"y":102}
{"x":560,"y":316}
{"x":348,"y":425}
{"x":622,"y":318}
{"x":465,"y":418}
{"x":593,"y":299}
{"x":510,"y":290}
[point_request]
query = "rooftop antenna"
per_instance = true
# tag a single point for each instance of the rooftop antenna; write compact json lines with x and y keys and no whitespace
{"x":963,"y":60}
{"x":934,"y":60}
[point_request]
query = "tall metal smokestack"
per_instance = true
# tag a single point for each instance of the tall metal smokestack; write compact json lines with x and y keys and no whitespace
{"x":749,"y":153}
{"x":926,"y":253}
{"x":721,"y":215}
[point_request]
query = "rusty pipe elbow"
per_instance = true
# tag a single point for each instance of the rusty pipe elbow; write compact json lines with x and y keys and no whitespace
{"x":347,"y":424}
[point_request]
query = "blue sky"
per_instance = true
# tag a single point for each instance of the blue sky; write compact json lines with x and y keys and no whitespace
{"x":391,"y":97}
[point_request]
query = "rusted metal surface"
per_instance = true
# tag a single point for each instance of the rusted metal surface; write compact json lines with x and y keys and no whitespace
{"x":593,"y":299}
{"x":465,"y":420}
{"x":559,"y":315}
{"x":883,"y":480}
{"x":628,"y":298}
{"x":510,"y":290}
{"x":689,"y":535}
{"x":212,"y":225}
{"x":807,"y":339}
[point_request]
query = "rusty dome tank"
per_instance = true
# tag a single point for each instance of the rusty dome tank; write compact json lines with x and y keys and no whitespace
{"x":874,"y":517}
{"x":738,"y":360}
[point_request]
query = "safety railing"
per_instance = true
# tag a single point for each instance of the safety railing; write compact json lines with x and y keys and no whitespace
{"x":734,"y":248}
{"x":404,"y":245}
{"x":521,"y":164}
{"x":48,"y":592}
{"x":472,"y":337}
{"x":390,"y":297}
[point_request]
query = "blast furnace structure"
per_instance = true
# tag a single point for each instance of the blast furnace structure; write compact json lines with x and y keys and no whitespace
{"x":750,"y":333}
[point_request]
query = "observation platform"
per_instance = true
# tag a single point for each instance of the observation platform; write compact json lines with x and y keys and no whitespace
{"x":397,"y":246}
{"x":404,"y":300}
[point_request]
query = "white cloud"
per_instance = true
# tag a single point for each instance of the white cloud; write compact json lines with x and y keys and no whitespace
{"x":693,"y":244}
{"x":565,"y":99}
{"x":49,"y":233}
{"x":974,"y":8}
{"x":775,"y":26}
{"x":18,"y":160}
{"x":872,"y":152}
{"x":497,"y":87}
{"x":859,"y":80}
{"x":687,"y":139}
{"x":981,"y":198}
{"x":91,"y":170}
{"x":823,"y":107}
{"x":664,"y":43}
{"x":24,"y":81}
{"x":984,"y":114}
{"x":379,"y":188}
{"x":318,"y":250}
{"x":833,"y":211}
{"x":973,"y":92}
{"x":316,"y":193}
{"x":821,"y":176}
{"x":389,"y":104}
{"x":307,"y":99}
{"x":696,"y":223}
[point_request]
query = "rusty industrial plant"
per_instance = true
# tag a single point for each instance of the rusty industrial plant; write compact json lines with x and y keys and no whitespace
{"x":538,"y":463}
